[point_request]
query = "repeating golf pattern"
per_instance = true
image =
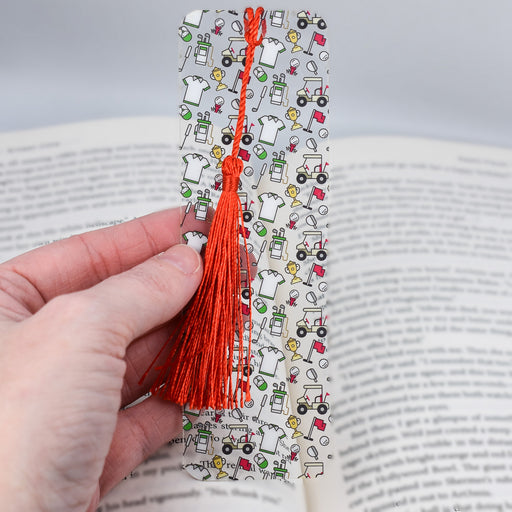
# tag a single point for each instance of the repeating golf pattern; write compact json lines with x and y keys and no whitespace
{"x":283,"y":431}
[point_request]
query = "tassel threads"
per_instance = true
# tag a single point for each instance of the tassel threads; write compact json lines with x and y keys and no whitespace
{"x":200,"y":366}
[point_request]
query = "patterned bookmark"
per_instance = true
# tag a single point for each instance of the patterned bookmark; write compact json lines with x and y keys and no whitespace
{"x":279,"y":345}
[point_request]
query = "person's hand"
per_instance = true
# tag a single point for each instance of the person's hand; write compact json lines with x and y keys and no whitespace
{"x":69,"y":315}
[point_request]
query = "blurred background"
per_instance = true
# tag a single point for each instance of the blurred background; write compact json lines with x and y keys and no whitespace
{"x":434,"y":68}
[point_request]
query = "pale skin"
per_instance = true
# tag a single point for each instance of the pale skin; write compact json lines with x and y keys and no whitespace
{"x":80,"y":321}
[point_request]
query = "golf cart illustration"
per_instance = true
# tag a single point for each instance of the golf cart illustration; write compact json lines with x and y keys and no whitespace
{"x":247,"y":369}
{"x":247,"y":213}
{"x":312,"y":169}
{"x":229,"y":55}
{"x":304,"y":20}
{"x":312,"y":91}
{"x":312,"y":245}
{"x":238,"y":439}
{"x":228,"y":133}
{"x":312,"y":399}
{"x":247,"y":290}
{"x":312,"y":321}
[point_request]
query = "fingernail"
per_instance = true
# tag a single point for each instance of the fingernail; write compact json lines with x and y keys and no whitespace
{"x":183,"y":257}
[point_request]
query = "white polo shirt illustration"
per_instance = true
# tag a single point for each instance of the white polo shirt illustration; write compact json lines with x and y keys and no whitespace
{"x":271,"y":435}
{"x":193,"y":19}
{"x":271,"y":50}
{"x":270,"y":202}
{"x":271,"y":356}
{"x":195,"y":239}
{"x":195,"y":88}
{"x":195,"y":165}
{"x":270,"y":280}
{"x":270,"y":125}
{"x":198,"y":471}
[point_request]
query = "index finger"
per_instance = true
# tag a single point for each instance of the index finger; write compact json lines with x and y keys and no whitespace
{"x":84,"y":260}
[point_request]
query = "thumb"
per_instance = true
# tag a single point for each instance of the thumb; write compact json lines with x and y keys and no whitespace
{"x":127,"y":305}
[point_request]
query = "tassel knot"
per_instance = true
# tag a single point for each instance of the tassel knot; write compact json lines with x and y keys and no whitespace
{"x":231,"y":170}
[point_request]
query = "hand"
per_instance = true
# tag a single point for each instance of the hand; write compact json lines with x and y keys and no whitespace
{"x":69,"y":315}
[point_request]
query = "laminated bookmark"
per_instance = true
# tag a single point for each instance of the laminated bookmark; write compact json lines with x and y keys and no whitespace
{"x":249,"y":359}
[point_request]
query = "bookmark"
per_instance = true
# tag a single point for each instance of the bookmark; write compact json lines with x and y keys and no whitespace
{"x":249,"y":362}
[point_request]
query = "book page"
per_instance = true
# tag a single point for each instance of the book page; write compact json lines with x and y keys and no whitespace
{"x":68,"y":179}
{"x":160,"y":485}
{"x":63,"y":180}
{"x":422,"y":311}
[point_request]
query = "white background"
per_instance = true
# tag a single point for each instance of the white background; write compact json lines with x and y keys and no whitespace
{"x":440,"y":68}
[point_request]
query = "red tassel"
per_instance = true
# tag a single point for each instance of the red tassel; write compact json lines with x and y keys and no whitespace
{"x":199,"y":367}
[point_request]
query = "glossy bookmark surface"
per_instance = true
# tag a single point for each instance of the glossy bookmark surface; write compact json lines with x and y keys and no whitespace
{"x":283,"y":431}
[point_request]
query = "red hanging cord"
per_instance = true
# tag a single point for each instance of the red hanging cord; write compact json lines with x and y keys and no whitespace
{"x":199,"y":367}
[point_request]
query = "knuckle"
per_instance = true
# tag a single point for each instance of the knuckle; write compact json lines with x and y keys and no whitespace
{"x":72,"y":307}
{"x":153,"y":278}
{"x":85,"y":319}
{"x":19,"y":297}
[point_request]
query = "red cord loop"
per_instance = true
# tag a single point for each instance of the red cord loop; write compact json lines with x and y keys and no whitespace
{"x":252,"y":25}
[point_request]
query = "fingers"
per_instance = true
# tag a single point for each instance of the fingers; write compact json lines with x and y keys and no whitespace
{"x":141,"y":353}
{"x":81,"y":261}
{"x":140,"y":431}
{"x":139,"y":356}
{"x":110,"y":315}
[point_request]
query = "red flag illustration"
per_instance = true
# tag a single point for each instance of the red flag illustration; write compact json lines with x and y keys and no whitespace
{"x":241,"y":75}
{"x":318,"y":116}
{"x":319,"y":347}
{"x":319,"y":424}
{"x":318,"y":193}
{"x":315,"y":192}
{"x":315,"y":38}
{"x":319,"y":270}
{"x":319,"y":38}
{"x":244,"y":155}
{"x":245,"y":464}
{"x":244,"y":232}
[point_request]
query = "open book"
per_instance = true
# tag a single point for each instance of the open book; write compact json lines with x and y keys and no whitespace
{"x":421,"y":310}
